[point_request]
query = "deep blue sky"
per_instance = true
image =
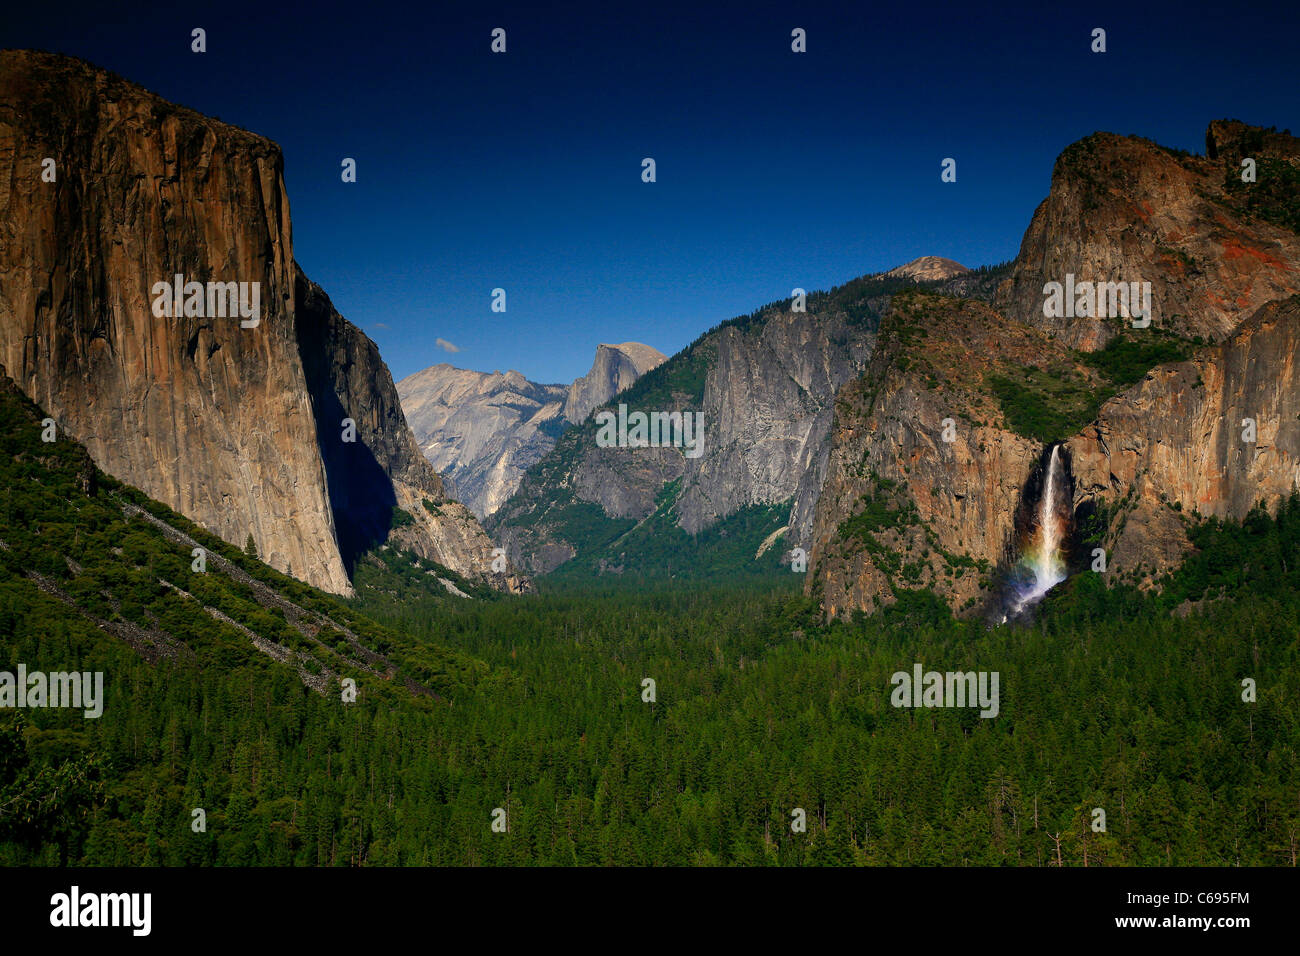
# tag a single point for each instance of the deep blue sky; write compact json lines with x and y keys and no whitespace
{"x":775,"y":170}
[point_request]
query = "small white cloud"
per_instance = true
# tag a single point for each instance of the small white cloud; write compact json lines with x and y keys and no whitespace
{"x":445,"y":345}
{"x":380,"y":325}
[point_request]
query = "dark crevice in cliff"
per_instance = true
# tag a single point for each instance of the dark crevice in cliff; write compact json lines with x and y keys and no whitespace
{"x":360,"y":492}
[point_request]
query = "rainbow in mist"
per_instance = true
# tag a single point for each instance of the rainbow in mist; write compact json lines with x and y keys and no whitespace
{"x":1044,"y":540}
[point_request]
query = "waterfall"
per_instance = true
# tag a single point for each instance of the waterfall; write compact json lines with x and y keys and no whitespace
{"x":1044,"y":538}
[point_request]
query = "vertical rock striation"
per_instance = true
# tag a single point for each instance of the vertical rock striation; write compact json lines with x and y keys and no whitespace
{"x":903,"y":506}
{"x":615,"y":368}
{"x":222,"y":423}
{"x":383,"y":468}
{"x":1174,"y":445}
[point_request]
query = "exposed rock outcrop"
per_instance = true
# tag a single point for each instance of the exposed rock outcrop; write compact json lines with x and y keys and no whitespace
{"x":615,"y":368}
{"x":221,"y":421}
{"x":483,"y":430}
{"x":903,"y":508}
{"x":1174,"y":445}
{"x":1123,"y":209}
{"x":929,"y":269}
{"x":767,"y":413}
{"x":382,"y":467}
{"x":764,"y":384}
{"x":901,"y":505}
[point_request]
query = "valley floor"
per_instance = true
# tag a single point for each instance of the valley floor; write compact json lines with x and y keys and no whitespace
{"x":758,"y":712}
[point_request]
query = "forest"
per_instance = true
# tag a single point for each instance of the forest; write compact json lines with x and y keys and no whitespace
{"x":1115,"y":699}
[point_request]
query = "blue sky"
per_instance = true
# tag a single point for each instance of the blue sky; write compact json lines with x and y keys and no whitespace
{"x":775,"y":170}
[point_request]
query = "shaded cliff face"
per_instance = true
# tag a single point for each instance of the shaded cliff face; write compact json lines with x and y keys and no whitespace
{"x":1123,"y":209}
{"x":218,"y":421}
{"x":1174,"y":445}
{"x":903,"y":508}
{"x":483,"y":430}
{"x":210,"y":418}
{"x":383,"y":467}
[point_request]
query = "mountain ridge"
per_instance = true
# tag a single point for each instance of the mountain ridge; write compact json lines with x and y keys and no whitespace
{"x":1225,"y":254}
{"x":926,"y":474}
{"x":767,"y":378}
{"x":482,"y":430}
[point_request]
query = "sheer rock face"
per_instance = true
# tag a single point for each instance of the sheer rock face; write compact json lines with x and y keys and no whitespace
{"x":383,"y":467}
{"x":1223,"y":259}
{"x":764,"y":387}
{"x":1222,"y":256}
{"x":954,"y":501}
{"x":1175,"y":439}
{"x":217,"y":421}
{"x":767,"y":415}
{"x":615,"y":368}
{"x":1122,"y":209}
{"x":1162,"y":451}
{"x":483,"y":430}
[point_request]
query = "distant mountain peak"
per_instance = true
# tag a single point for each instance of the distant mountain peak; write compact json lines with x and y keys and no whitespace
{"x":928,"y":268}
{"x":482,"y":430}
{"x":614,"y":369}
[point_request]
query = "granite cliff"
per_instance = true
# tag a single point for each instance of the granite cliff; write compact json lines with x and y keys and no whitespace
{"x":1212,"y":436}
{"x":764,"y":384}
{"x":229,"y":421}
{"x":1124,"y":209}
{"x":934,"y":447}
{"x":615,"y":368}
{"x":925,"y":472}
{"x":482,"y":430}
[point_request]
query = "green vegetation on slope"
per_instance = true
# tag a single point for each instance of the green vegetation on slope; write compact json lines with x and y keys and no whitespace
{"x":1109,"y":701}
{"x":124,"y":563}
{"x":1046,"y":405}
{"x":657,"y":547}
{"x":1053,"y":404}
{"x":1274,"y":196}
{"x":1127,"y":358}
{"x":547,"y":505}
